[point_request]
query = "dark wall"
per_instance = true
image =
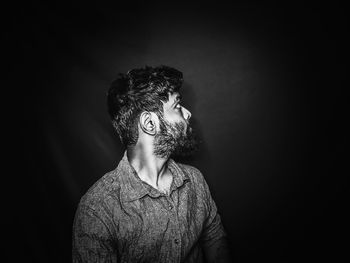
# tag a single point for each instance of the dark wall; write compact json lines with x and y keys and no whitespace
{"x":265,"y":85}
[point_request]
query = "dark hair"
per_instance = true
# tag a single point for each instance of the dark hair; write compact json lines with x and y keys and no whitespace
{"x":140,"y":90}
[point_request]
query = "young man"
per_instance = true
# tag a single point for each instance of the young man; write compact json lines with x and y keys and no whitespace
{"x":150,"y":208}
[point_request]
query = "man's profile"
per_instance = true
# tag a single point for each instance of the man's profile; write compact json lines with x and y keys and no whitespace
{"x":150,"y":208}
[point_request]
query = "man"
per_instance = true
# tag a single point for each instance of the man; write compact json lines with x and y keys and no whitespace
{"x":150,"y":208}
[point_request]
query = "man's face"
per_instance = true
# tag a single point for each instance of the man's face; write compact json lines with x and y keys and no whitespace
{"x":175,"y":136}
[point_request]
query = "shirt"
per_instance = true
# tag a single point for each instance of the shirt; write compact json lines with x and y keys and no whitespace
{"x":123,"y":219}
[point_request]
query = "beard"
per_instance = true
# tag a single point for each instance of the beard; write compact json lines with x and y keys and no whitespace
{"x":174,"y":140}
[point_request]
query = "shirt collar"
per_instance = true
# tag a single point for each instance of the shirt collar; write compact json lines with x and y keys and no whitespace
{"x":134,"y":188}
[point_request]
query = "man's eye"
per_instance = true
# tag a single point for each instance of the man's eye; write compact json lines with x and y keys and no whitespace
{"x":178,"y":106}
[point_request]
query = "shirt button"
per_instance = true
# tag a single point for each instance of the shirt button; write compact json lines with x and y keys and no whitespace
{"x":170,"y":207}
{"x":176,"y":241}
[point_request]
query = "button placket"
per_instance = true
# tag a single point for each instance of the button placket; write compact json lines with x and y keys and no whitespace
{"x":177,"y":236}
{"x":170,"y":204}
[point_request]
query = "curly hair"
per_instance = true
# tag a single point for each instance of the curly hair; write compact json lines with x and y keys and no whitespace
{"x":139,"y":90}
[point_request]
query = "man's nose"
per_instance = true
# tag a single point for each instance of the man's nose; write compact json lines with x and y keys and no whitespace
{"x":186,"y":113}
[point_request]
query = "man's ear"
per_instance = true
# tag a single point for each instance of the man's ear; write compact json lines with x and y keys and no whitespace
{"x":148,"y":122}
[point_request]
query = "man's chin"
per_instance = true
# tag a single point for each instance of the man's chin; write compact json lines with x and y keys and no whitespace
{"x":187,"y":146}
{"x":176,"y":141}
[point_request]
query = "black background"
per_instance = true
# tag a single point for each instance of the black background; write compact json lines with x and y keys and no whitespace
{"x":266,"y":87}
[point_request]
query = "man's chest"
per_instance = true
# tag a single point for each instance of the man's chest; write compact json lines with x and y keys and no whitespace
{"x":161,"y":226}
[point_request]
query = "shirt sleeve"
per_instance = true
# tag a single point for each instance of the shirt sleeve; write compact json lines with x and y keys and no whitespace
{"x":92,"y":239}
{"x":213,"y":228}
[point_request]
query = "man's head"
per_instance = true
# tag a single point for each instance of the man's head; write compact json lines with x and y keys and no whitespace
{"x":145,"y":103}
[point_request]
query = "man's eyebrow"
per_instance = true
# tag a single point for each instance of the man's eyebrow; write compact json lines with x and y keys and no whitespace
{"x":177,"y":99}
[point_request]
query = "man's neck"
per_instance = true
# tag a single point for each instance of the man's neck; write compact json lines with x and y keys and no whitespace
{"x":148,"y":167}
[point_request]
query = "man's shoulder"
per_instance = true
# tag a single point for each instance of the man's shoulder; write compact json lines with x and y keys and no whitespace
{"x":192,"y":172}
{"x":107,"y":187}
{"x":188,"y":168}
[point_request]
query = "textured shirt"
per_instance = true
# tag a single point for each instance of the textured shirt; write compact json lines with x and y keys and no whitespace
{"x":123,"y":219}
